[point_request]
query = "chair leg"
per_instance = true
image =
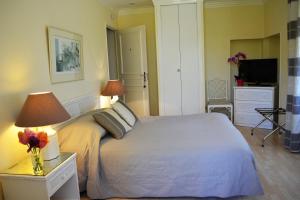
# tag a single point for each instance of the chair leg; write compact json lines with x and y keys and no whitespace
{"x":229,"y":109}
{"x":231,"y":113}
{"x":209,"y":109}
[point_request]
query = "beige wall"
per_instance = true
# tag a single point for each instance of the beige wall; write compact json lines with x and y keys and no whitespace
{"x":222,"y":25}
{"x":145,"y":16}
{"x":24,"y":62}
{"x":276,"y":12}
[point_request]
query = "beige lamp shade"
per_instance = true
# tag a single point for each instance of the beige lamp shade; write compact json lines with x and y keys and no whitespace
{"x":113,"y":88}
{"x":41,"y":109}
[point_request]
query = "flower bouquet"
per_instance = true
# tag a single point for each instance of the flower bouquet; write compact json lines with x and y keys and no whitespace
{"x":35,"y":142}
{"x":236,"y":61}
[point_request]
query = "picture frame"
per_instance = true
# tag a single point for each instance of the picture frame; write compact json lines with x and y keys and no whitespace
{"x":65,"y":55}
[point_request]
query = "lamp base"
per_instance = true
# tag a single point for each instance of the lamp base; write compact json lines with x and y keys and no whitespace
{"x":51,"y":150}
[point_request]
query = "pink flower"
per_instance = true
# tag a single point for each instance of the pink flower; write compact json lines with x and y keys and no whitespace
{"x":28,"y":132}
{"x":23,"y":138}
{"x":233,"y":60}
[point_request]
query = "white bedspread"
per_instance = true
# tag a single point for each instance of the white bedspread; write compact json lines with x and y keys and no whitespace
{"x":191,"y":156}
{"x":198,"y":156}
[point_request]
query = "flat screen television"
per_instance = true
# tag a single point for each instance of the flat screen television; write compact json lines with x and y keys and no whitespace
{"x":259,"y":71}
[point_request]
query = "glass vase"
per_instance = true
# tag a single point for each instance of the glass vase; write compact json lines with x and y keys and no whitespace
{"x":37,"y":161}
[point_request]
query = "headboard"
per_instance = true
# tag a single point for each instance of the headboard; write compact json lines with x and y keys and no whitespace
{"x":82,"y":105}
{"x":79,"y":106}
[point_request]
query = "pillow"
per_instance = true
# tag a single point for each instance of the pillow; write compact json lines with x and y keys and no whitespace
{"x":125,"y":112}
{"x":82,"y":135}
{"x":112,"y":122}
{"x":86,"y":122}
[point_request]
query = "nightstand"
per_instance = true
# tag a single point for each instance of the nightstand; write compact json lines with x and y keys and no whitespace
{"x":59,"y":181}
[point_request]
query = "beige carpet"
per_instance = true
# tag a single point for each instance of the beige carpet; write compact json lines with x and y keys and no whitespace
{"x":278,"y":169}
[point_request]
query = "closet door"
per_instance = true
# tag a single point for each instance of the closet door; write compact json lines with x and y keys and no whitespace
{"x":190,"y":71}
{"x":169,"y":71}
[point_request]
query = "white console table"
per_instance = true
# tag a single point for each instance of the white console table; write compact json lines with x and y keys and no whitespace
{"x":246,"y":99}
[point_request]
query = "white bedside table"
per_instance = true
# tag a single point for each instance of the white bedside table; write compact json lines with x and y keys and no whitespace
{"x":59,"y":181}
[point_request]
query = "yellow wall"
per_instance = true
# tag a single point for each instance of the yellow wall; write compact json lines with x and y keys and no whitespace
{"x":276,"y":14}
{"x":271,"y":47}
{"x":145,"y":16}
{"x":24,"y":62}
{"x":224,"y":24}
{"x":246,"y":22}
{"x":253,"y":48}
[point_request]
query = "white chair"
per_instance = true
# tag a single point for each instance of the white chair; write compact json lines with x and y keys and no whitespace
{"x":217,"y":97}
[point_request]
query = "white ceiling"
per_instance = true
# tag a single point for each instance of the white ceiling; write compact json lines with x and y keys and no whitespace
{"x":126,"y":3}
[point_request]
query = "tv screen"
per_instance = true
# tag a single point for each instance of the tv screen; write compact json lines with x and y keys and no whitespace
{"x":258,"y":70}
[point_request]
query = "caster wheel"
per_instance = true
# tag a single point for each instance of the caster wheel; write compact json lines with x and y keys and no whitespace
{"x":251,"y":133}
{"x":262,"y":145}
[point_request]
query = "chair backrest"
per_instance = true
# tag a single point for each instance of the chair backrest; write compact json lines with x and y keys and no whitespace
{"x":216,"y":89}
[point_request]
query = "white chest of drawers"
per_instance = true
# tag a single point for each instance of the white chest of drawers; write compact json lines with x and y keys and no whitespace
{"x":246,"y":99}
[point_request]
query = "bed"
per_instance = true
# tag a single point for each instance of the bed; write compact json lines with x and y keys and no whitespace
{"x":180,"y":156}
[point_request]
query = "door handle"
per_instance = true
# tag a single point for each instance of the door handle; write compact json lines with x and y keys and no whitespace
{"x":145,"y":79}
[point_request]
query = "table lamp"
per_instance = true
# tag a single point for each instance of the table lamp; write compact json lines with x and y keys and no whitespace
{"x":43,"y":109}
{"x":113,"y":88}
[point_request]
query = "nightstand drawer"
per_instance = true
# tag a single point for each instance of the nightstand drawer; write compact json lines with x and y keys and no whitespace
{"x":60,"y":177}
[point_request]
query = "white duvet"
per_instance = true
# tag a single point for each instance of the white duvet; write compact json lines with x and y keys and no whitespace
{"x":185,"y":156}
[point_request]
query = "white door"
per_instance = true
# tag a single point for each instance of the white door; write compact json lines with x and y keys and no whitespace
{"x":169,"y":70}
{"x":134,"y":69}
{"x":190,"y":71}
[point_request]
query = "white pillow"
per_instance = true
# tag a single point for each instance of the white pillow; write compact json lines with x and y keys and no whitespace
{"x":124,"y":113}
{"x":119,"y":119}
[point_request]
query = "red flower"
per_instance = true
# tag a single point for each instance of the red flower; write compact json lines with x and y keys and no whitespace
{"x":43,"y":139}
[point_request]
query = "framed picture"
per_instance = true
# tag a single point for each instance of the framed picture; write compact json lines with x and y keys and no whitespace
{"x":65,"y":52}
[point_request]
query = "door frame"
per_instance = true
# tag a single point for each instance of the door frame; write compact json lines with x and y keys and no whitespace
{"x":117,"y":51}
{"x":143,"y":52}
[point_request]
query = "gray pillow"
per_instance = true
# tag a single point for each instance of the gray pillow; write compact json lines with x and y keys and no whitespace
{"x":112,"y":122}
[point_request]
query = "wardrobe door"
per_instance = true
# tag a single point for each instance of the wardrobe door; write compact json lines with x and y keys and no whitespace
{"x":190,"y":70}
{"x":169,"y":70}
